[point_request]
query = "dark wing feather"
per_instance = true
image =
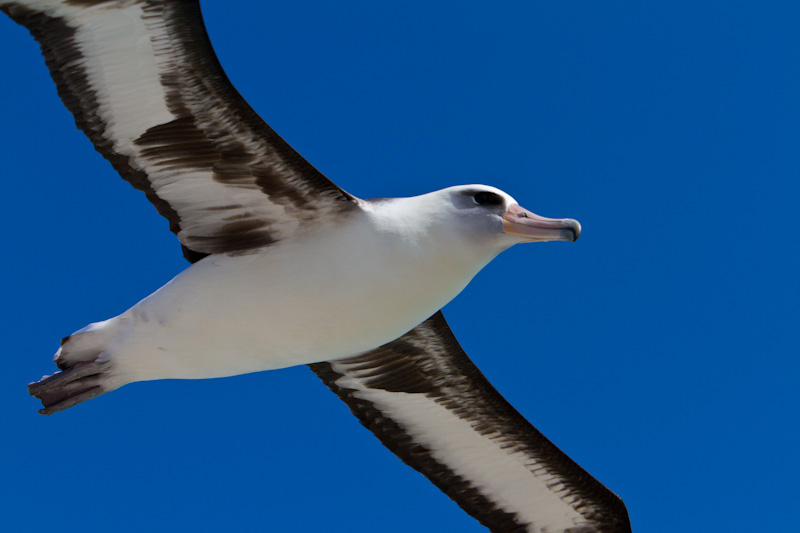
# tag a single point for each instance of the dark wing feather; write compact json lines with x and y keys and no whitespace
{"x":429,"y":404}
{"x":144,"y":84}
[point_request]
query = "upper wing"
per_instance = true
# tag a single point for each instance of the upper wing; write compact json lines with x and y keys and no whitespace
{"x":429,"y":404}
{"x":145,"y":86}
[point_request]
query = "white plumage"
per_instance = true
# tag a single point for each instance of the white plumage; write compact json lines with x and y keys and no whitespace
{"x":290,"y":269}
{"x":339,"y":290}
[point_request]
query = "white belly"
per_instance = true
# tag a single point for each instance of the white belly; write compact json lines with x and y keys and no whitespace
{"x":297,"y":303}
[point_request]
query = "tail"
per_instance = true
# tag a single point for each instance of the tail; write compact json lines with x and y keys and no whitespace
{"x":70,"y":387}
{"x":84,"y":374}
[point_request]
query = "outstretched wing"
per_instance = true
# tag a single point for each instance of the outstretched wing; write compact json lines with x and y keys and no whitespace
{"x":429,"y":404}
{"x":144,"y":84}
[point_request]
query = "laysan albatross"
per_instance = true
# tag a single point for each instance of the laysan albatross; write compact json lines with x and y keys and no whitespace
{"x":289,"y":269}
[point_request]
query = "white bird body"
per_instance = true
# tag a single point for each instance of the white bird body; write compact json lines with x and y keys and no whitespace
{"x":290,"y":269}
{"x":329,"y":293}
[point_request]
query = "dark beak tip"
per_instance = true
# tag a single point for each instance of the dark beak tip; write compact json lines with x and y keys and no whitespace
{"x":575,"y":229}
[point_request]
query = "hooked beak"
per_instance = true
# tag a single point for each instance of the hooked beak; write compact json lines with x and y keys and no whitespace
{"x":532,"y":227}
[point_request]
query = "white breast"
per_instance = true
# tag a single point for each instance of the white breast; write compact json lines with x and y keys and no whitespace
{"x":332,"y":293}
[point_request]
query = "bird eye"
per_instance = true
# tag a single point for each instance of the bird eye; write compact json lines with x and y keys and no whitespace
{"x":487,"y":198}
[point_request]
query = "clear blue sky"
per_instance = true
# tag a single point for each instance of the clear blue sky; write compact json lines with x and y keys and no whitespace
{"x":660,"y":351}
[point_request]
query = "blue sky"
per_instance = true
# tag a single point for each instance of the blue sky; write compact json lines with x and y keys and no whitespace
{"x":659,"y":351}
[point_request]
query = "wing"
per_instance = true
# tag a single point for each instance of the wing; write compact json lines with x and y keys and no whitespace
{"x":429,"y":404}
{"x":144,"y":84}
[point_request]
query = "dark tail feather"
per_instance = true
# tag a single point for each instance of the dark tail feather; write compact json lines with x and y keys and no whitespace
{"x":70,"y":387}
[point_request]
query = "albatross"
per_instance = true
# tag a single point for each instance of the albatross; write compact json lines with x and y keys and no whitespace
{"x":288,"y":269}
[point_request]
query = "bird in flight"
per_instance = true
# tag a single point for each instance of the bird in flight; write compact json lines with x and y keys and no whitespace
{"x":289,"y":269}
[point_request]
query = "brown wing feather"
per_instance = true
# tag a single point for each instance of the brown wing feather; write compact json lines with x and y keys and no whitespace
{"x":428,"y":362}
{"x":144,"y":84}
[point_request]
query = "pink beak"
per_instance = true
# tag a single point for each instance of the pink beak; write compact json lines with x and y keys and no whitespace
{"x":532,"y":227}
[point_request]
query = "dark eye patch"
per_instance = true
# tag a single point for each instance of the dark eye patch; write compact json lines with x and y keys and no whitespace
{"x":487,"y":198}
